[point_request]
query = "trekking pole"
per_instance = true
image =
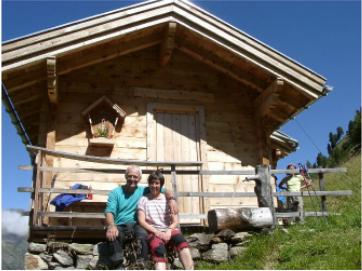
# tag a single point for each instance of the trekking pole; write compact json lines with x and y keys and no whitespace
{"x":304,"y":172}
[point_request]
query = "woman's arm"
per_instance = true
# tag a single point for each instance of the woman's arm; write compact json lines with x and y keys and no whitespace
{"x":142,"y":221}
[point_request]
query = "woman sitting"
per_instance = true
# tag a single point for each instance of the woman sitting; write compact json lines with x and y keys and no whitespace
{"x":155,"y":216}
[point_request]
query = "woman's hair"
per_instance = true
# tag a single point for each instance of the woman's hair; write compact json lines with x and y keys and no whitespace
{"x":156,"y":175}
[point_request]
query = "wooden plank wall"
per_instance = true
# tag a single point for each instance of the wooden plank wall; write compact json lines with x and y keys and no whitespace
{"x":127,"y":80}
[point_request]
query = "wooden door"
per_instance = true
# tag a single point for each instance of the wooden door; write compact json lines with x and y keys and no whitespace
{"x":176,"y":137}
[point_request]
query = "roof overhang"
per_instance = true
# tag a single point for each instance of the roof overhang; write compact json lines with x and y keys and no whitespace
{"x":282,"y":86}
{"x":284,"y":143}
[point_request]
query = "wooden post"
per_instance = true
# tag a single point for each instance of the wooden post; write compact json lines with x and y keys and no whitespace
{"x":322,"y":188}
{"x":173,"y":180}
{"x":263,"y":190}
{"x":38,"y":180}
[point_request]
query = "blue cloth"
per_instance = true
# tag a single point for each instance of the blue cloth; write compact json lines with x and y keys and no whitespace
{"x":63,"y":200}
{"x":281,"y":198}
{"x":123,"y":206}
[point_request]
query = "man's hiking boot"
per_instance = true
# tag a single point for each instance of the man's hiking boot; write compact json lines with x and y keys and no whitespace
{"x":120,"y":267}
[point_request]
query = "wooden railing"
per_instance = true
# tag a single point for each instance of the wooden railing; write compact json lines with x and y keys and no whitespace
{"x":260,"y":173}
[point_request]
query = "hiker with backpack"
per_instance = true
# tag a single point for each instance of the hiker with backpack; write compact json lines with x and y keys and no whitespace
{"x":294,"y":182}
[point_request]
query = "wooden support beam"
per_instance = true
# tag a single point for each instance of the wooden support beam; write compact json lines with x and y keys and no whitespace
{"x":52,"y":79}
{"x":268,"y":99}
{"x":168,"y":44}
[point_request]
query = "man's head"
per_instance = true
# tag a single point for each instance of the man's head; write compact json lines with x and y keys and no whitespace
{"x":133,"y":175}
{"x":291,"y":166}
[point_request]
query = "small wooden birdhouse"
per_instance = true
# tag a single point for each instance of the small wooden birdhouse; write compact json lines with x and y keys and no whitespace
{"x":102,"y":118}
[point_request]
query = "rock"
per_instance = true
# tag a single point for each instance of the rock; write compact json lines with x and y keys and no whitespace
{"x":54,"y":246}
{"x":242,"y":244}
{"x":63,"y":258}
{"x":195,"y":253}
{"x":83,"y":261}
{"x":216,"y":240}
{"x":47,"y":258}
{"x":84,"y":249}
{"x":64,"y":268}
{"x":218,"y":253}
{"x":34,"y":262}
{"x":234,"y":251}
{"x":36,"y":247}
{"x":285,"y":230}
{"x":101,"y":248}
{"x":203,"y":240}
{"x":191,"y":238}
{"x":226,"y":234}
{"x":54,"y":265}
{"x":177,"y":263}
{"x":94,"y":262}
{"x":240,"y":236}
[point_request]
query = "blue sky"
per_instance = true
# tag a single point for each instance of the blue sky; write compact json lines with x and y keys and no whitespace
{"x":324,"y":36}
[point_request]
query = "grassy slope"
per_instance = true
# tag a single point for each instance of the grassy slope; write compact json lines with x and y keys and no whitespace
{"x":320,"y":243}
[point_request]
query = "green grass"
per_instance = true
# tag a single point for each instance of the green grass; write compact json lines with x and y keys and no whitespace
{"x":320,"y":243}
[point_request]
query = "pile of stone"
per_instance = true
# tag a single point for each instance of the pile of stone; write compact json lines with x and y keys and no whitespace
{"x":60,"y":256}
{"x":217,"y":248}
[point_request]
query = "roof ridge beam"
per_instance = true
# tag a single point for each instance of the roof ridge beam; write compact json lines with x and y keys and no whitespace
{"x":168,"y":44}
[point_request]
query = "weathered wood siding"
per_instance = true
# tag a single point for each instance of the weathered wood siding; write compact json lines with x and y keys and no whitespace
{"x":127,"y":81}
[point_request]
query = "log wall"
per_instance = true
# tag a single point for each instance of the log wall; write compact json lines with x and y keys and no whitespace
{"x":135,"y":80}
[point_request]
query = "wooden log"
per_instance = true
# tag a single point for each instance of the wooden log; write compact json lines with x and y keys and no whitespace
{"x":239,"y":219}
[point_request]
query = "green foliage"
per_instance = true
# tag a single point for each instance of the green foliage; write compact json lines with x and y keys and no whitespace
{"x":320,"y":243}
{"x":354,"y":129}
{"x":102,"y":132}
{"x":341,"y":148}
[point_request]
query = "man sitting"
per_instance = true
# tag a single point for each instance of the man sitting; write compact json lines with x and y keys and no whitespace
{"x":121,"y":215}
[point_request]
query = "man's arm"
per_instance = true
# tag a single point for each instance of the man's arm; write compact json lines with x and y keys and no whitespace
{"x":283,"y":182}
{"x":112,"y":231}
{"x":171,"y":201}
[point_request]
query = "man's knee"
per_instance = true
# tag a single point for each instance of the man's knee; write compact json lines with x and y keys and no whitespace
{"x":140,"y":232}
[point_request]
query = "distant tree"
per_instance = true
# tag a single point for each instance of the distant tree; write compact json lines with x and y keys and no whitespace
{"x":340,"y":133}
{"x":321,"y":160}
{"x":329,"y":149}
{"x":308,"y":164}
{"x":354,"y":130}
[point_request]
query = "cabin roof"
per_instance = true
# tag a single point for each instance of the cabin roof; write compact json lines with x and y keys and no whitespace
{"x":284,"y":87}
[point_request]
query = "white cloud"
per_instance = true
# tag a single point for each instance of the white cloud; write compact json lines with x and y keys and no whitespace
{"x":13,"y":222}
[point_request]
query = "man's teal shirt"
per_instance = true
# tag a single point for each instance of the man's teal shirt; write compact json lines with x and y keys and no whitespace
{"x":123,"y":206}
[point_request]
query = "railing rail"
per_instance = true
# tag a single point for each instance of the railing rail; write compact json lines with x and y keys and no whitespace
{"x":253,"y":174}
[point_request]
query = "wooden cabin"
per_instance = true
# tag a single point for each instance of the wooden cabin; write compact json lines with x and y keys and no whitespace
{"x":171,"y":82}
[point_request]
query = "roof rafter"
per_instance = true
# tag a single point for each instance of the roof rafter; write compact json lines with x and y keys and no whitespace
{"x":216,"y":64}
{"x":269,"y":98}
